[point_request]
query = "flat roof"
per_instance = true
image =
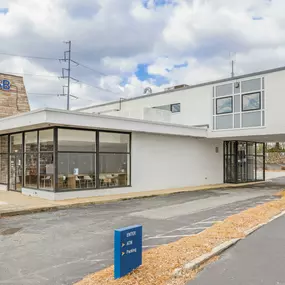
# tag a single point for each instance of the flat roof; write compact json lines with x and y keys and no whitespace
{"x":9,"y":74}
{"x":47,"y":117}
{"x":189,"y":87}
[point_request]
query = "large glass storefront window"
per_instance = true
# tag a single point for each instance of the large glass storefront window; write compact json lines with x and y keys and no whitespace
{"x":4,"y":159}
{"x":46,"y":159}
{"x":31,"y":160}
{"x":16,"y":162}
{"x":76,"y":159}
{"x":76,"y":170}
{"x":85,"y":159}
{"x":114,"y":157}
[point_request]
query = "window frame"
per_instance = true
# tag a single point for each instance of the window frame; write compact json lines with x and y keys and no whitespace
{"x":222,"y":98}
{"x":175,"y":104}
{"x":55,"y":152}
{"x":251,"y":93}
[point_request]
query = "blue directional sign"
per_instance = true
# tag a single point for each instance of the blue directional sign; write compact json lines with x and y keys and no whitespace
{"x":128,"y":250}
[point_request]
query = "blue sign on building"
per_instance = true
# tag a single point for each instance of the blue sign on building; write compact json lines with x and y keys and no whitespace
{"x":5,"y":85}
{"x":128,"y":250}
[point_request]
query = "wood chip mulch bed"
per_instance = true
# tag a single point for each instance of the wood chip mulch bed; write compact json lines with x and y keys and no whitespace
{"x":159,"y":263}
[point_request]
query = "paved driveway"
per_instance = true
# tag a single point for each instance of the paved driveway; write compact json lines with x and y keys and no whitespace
{"x":257,"y":260}
{"x":62,"y":247}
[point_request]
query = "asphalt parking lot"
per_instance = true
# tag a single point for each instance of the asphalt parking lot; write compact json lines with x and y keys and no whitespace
{"x":62,"y":247}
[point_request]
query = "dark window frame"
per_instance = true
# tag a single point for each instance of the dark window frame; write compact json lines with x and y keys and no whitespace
{"x":55,"y":158}
{"x":175,"y":104}
{"x":7,"y":160}
{"x":231,"y":154}
{"x":249,"y":110}
{"x":222,"y":98}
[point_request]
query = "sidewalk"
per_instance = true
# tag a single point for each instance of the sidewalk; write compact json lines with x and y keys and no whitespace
{"x":13,"y":203}
{"x":258,"y":259}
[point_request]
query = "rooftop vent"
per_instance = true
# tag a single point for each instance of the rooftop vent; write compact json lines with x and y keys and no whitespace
{"x":147,"y":91}
{"x":176,"y":87}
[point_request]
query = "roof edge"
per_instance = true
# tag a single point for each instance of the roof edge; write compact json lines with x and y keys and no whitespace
{"x":9,"y":74}
{"x":189,"y":87}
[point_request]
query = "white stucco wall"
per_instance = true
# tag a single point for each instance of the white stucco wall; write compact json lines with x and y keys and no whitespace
{"x":162,"y":162}
{"x":274,"y":101}
{"x":196,"y":106}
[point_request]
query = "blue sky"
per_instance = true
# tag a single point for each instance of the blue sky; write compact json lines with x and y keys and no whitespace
{"x":4,"y":10}
{"x":143,"y":75}
{"x":158,"y":3}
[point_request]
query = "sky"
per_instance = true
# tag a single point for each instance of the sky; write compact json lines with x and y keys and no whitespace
{"x":129,"y":45}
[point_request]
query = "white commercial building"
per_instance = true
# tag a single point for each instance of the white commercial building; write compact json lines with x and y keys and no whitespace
{"x":208,"y":133}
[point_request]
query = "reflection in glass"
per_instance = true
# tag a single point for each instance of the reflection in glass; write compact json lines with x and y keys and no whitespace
{"x":259,"y":168}
{"x":46,"y":171}
{"x":46,"y":140}
{"x":224,"y":105}
{"x":75,"y":140}
{"x":16,"y":168}
{"x":251,"y":101}
{"x":76,"y":170}
{"x":16,"y":143}
{"x":259,"y":148}
{"x":31,"y":170}
{"x":114,"y":142}
{"x":31,"y":144}
{"x":114,"y":169}
{"x":3,"y":168}
{"x":3,"y":144}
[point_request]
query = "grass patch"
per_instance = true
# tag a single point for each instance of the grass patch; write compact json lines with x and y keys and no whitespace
{"x":159,"y":263}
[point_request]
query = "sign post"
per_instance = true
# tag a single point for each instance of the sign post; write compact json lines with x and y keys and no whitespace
{"x":128,"y":250}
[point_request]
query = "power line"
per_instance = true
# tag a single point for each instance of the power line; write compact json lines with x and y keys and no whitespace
{"x":39,"y":93}
{"x":87,"y":67}
{"x":28,"y":56}
{"x":59,"y":77}
{"x":30,"y":74}
{"x":97,"y":87}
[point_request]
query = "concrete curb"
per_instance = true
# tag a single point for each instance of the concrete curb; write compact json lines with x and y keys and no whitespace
{"x":197,"y":262}
{"x":205,"y":257}
{"x":82,"y":204}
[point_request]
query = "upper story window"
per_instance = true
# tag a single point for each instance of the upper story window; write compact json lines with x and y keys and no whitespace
{"x":175,"y":108}
{"x":239,"y":104}
{"x":224,"y":105}
{"x":251,"y":101}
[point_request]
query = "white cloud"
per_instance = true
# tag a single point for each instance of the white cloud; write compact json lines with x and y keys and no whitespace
{"x":113,"y":37}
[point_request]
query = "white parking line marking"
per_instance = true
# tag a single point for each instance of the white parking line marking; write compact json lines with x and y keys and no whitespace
{"x":168,"y":232}
{"x":209,"y":222}
{"x":196,"y":228}
{"x":174,"y":236}
{"x":154,"y":245}
{"x":211,"y":218}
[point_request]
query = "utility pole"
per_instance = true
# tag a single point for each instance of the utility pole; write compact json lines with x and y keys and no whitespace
{"x":233,"y":73}
{"x":232,"y":55}
{"x":67,"y":58}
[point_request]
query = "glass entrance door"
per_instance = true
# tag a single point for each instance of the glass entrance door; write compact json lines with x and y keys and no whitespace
{"x":243,"y":162}
{"x":16,"y":172}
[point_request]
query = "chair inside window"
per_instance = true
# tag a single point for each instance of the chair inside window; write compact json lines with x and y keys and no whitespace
{"x":46,"y":181}
{"x":78,"y":182}
{"x":88,"y":181}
